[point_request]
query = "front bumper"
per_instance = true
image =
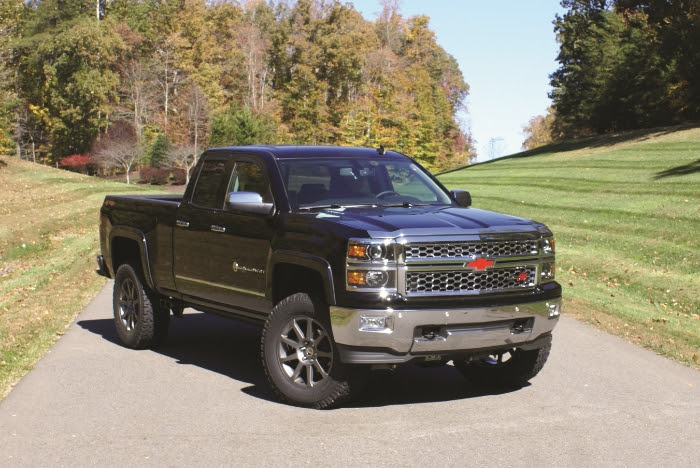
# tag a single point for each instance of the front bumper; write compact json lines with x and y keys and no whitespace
{"x":102,"y":269}
{"x":407,"y":334}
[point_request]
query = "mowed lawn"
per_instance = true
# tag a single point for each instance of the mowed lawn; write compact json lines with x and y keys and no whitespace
{"x":48,"y":243}
{"x":625,"y":211}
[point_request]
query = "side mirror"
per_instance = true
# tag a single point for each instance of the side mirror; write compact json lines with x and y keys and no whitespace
{"x":462,"y":197}
{"x":248,"y":202}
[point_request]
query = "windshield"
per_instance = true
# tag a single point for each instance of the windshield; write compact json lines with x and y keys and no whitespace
{"x":331,"y":182}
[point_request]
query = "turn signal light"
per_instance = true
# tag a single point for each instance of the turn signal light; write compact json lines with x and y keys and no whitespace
{"x":357,"y":251}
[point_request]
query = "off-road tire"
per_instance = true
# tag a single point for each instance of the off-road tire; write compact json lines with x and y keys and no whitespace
{"x":139,"y":317}
{"x":512,"y":373}
{"x":301,"y":359}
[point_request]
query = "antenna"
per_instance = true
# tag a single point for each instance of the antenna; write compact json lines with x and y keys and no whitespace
{"x":381,"y":150}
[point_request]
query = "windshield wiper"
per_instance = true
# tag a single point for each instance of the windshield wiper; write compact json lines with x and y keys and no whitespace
{"x":334,"y":206}
{"x":318,"y":207}
{"x":405,"y":205}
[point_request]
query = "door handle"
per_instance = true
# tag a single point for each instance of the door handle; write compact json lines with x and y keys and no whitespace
{"x":216,"y":228}
{"x":181,"y":223}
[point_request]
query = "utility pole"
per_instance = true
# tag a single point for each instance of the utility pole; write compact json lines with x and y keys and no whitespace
{"x":495,"y":149}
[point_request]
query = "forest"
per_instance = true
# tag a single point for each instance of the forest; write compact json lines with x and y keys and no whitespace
{"x":623,"y":65}
{"x":113,"y":85}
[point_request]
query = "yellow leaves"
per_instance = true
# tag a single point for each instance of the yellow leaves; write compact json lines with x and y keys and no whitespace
{"x":42,"y":113}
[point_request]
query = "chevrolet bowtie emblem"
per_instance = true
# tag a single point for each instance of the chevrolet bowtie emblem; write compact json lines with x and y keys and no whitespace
{"x":480,"y":264}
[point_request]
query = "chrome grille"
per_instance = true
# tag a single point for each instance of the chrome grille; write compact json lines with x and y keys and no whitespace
{"x":466,"y":281}
{"x":489,"y":249}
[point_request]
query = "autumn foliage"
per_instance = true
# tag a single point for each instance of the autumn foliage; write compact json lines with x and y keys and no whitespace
{"x":194,"y":71}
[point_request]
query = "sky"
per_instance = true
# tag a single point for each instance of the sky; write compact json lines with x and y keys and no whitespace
{"x":506,"y":50}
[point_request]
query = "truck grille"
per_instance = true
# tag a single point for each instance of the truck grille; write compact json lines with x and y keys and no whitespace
{"x":465,"y":281}
{"x":489,"y":249}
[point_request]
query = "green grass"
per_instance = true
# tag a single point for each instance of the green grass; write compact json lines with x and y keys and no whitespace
{"x":625,"y":212}
{"x":48,"y":243}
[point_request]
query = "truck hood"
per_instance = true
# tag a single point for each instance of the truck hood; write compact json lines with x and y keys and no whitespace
{"x":383,"y":222}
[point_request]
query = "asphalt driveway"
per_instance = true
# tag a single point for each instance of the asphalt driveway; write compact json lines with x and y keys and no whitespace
{"x":201,"y":400}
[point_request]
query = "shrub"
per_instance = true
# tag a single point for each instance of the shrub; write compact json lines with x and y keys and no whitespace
{"x":77,"y":163}
{"x":154,"y":175}
{"x":179,"y":176}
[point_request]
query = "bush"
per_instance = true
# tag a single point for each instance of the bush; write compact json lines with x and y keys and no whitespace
{"x":77,"y":163}
{"x":179,"y":176}
{"x":154,"y":175}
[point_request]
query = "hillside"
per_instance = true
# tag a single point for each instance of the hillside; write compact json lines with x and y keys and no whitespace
{"x":48,"y":243}
{"x":625,"y":212}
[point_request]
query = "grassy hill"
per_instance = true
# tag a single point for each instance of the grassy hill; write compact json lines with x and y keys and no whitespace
{"x":48,"y":243}
{"x":625,"y":210}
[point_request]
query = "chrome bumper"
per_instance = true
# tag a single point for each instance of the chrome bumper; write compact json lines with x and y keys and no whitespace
{"x":438,"y":331}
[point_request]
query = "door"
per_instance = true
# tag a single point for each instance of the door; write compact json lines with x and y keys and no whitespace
{"x":225,"y":253}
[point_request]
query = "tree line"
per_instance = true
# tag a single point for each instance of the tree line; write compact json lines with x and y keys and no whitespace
{"x":153,"y":82}
{"x":623,"y":65}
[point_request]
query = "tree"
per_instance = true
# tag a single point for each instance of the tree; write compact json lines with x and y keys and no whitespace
{"x":66,"y":74}
{"x":238,"y":126}
{"x":538,"y":131}
{"x":183,"y":155}
{"x":158,"y":151}
{"x":138,"y":90}
{"x":117,"y":148}
{"x":197,"y":107}
{"x":10,"y":15}
{"x":625,"y":65}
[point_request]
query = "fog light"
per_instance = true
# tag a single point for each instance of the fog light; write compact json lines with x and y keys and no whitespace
{"x":377,"y":324}
{"x":554,"y":309}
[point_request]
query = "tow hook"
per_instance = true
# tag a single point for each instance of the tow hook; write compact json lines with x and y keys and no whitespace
{"x":430,"y":334}
{"x":521,"y":326}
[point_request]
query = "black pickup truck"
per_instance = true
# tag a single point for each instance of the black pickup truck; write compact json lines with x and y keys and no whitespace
{"x":351,"y":259}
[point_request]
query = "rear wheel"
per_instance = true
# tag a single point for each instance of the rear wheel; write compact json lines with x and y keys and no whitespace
{"x":300,"y":357}
{"x":139,"y":317}
{"x":511,"y":368}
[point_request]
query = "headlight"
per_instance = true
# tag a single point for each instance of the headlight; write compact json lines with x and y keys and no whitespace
{"x":371,"y":266}
{"x":369,"y":251}
{"x":548,"y":270}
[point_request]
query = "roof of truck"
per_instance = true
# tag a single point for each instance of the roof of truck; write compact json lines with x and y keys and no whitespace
{"x":302,"y":151}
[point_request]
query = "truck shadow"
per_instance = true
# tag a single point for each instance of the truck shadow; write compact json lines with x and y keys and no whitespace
{"x":232,"y":348}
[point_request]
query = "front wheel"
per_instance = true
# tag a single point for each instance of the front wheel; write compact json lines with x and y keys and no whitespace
{"x":510,"y":368}
{"x":139,"y":317}
{"x":300,"y":357}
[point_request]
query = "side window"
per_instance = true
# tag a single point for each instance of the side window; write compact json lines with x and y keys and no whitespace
{"x":248,"y":177}
{"x":211,"y":179}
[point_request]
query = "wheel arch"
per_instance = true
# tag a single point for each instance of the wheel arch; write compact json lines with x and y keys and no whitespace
{"x":127,"y":244}
{"x":293,"y":272}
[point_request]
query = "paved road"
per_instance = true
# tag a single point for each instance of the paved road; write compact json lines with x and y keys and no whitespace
{"x":201,"y":400}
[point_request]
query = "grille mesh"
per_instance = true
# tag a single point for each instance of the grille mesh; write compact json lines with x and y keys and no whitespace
{"x":468,"y":281}
{"x":493,"y":249}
